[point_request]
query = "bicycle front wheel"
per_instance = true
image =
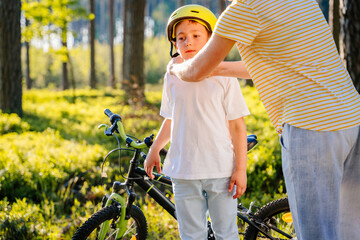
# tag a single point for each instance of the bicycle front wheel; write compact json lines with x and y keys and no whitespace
{"x":136,"y":227}
{"x":276,"y":221}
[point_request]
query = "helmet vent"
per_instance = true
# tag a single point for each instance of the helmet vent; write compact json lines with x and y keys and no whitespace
{"x":194,"y":11}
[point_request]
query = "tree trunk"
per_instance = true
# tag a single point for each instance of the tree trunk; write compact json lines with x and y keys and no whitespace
{"x":64,"y":77}
{"x":334,"y":20}
{"x":103,"y":23}
{"x":180,"y":3}
{"x":133,"y":53}
{"x":92,"y":46}
{"x":10,"y":57}
{"x":27,"y":47}
{"x":112,"y":82}
{"x":350,"y":38}
{"x":221,"y":6}
{"x":206,"y":3}
{"x":72,"y":77}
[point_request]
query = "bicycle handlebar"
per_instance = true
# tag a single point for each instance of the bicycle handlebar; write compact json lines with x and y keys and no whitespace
{"x":117,"y":126}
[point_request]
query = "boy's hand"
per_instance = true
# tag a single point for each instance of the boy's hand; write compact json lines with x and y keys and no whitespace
{"x":239,"y":179}
{"x":152,"y":160}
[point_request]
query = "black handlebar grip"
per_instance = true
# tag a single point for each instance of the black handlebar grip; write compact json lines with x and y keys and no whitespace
{"x":108,"y":113}
{"x":163,"y":152}
{"x":113,"y":117}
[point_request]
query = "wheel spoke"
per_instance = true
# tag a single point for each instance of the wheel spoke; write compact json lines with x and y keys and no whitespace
{"x":110,"y":237}
{"x":131,"y":228}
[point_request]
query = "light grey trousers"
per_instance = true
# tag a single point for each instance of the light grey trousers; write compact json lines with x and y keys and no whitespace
{"x":322,"y":177}
{"x":194,"y":198}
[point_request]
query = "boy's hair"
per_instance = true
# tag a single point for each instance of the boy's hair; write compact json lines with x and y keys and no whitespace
{"x":192,"y":12}
{"x":193,"y":21}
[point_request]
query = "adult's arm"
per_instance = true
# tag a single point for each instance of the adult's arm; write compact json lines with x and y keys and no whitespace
{"x":207,"y":61}
{"x":231,"y":69}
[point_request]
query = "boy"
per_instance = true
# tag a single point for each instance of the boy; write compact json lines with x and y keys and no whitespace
{"x":205,"y":124}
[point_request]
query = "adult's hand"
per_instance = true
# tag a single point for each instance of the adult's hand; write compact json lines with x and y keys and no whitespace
{"x":172,"y":62}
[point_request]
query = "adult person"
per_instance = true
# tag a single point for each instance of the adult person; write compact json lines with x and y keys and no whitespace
{"x":288,"y":51}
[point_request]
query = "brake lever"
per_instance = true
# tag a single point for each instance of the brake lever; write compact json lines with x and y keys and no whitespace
{"x":103,"y":125}
{"x":107,"y":131}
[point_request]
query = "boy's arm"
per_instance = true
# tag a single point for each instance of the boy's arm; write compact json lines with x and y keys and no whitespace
{"x":239,"y":139}
{"x":153,"y":158}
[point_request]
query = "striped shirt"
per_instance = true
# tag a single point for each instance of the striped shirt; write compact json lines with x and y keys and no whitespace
{"x":288,"y":49}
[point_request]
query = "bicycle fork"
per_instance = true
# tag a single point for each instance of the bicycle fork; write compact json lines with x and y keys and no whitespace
{"x":120,"y":203}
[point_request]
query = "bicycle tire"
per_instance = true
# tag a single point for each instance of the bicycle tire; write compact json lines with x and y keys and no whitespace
{"x":137,"y":218}
{"x":273,"y":213}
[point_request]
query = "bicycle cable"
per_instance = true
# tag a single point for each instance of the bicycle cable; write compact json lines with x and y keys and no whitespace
{"x":104,"y":175}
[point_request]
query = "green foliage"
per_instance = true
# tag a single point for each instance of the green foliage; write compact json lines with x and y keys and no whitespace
{"x":12,"y":123}
{"x":25,"y":220}
{"x":58,"y":13}
{"x":50,"y":160}
{"x":34,"y":165}
{"x":157,"y":56}
{"x":161,"y":225}
{"x":49,"y":16}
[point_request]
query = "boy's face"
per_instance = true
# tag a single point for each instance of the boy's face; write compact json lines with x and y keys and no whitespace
{"x":190,"y":36}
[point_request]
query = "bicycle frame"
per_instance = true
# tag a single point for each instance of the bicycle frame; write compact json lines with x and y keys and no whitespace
{"x":138,"y":175}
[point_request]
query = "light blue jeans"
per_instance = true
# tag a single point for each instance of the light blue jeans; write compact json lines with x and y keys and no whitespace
{"x":322,"y":176}
{"x":193,"y":198}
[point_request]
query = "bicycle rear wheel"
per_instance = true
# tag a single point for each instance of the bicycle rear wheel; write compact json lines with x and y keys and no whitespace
{"x":275,"y":215}
{"x":136,"y":227}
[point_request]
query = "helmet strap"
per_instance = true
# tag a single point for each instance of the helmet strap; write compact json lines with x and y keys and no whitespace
{"x":171,"y":49}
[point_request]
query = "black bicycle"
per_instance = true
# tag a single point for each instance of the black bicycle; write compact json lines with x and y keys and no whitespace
{"x":119,"y":218}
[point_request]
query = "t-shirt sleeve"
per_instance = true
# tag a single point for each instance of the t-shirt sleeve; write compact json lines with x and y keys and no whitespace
{"x":235,"y":104}
{"x":238,"y":22}
{"x":165,"y":108}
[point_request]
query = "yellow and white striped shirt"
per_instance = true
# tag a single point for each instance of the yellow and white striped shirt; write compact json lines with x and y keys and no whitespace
{"x":288,"y":49}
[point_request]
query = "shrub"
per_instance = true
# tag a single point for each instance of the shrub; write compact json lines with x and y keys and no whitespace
{"x":34,"y":165}
{"x":12,"y":123}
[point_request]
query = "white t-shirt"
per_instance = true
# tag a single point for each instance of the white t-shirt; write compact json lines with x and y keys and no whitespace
{"x":201,"y":146}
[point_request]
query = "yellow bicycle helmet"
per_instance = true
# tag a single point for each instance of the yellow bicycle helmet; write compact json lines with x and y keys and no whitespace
{"x":194,"y":12}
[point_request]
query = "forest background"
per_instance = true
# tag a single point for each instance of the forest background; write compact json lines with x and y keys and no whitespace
{"x":75,"y":58}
